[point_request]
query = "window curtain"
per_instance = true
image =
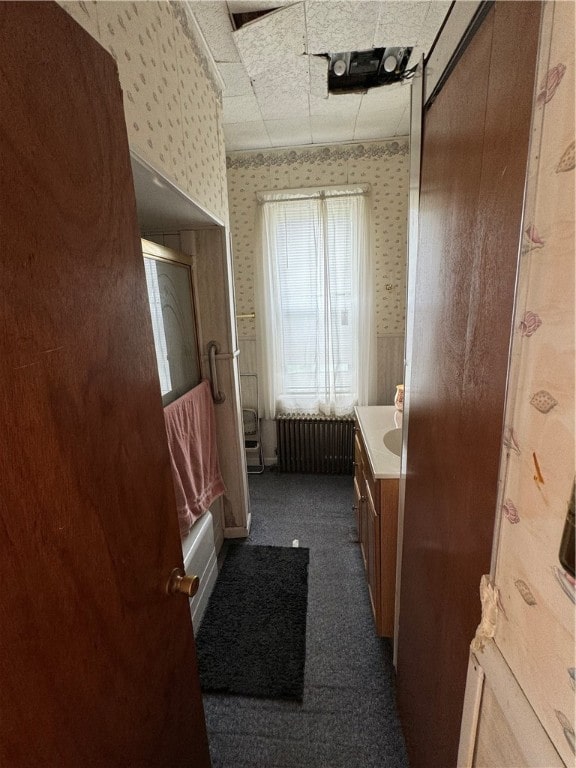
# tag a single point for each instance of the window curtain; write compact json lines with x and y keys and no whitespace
{"x":315,"y":308}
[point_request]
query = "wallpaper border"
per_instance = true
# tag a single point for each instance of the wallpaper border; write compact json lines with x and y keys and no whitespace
{"x":382,"y":148}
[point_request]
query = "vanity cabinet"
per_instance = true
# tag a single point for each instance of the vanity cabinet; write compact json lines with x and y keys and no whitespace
{"x":376,"y":510}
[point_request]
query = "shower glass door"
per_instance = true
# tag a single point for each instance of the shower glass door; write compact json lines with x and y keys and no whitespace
{"x":171,"y":301}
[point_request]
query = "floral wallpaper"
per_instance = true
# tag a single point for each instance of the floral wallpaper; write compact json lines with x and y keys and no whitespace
{"x":535,"y":629}
{"x":171,"y":102}
{"x":383,"y":165}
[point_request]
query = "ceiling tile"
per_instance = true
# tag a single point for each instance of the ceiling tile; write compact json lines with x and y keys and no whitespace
{"x":318,"y":76}
{"x":336,"y":104}
{"x":403,"y":128}
{"x":340,"y":26}
{"x":434,"y":18}
{"x":249,"y":6}
{"x":383,"y":101}
{"x":378,"y":125}
{"x":241,"y":109}
{"x":332,"y":130}
{"x":246,"y":136}
{"x":236,"y":80}
{"x":386,"y":93}
{"x":285,"y":100}
{"x":269,"y":40}
{"x":284,"y":92}
{"x":400,"y":23}
{"x":285,"y":133}
{"x":214,"y":21}
{"x":273,"y":108}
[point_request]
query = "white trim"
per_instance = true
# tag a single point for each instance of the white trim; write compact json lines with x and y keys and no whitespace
{"x":238,"y":533}
{"x":537,"y":748}
{"x":416,"y":115}
{"x":457,"y":22}
{"x":470,"y":713}
{"x":205,"y":218}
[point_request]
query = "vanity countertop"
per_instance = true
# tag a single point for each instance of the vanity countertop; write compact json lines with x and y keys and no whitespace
{"x":374,"y":421}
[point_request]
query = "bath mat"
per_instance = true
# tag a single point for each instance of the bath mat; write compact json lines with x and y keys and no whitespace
{"x":252,"y":640}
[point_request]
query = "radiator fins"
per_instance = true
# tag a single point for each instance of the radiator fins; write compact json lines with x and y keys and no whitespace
{"x":323,"y":446}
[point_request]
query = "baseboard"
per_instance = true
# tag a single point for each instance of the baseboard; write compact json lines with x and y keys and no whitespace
{"x":238,"y":533}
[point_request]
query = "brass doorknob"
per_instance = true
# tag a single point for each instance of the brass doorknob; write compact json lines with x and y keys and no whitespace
{"x":179,"y":582}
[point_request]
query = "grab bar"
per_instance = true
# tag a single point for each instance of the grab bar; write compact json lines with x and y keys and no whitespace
{"x":217,"y":396}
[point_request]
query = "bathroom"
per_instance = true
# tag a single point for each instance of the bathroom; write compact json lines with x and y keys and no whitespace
{"x":178,"y":140}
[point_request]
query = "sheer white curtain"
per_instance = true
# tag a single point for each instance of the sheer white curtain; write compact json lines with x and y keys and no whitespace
{"x":315,"y":313}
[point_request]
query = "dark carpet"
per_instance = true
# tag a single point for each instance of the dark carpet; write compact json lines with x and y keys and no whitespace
{"x":252,"y":640}
{"x":348,"y":716}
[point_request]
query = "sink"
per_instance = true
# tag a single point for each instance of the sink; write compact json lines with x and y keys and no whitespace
{"x":393,"y":441}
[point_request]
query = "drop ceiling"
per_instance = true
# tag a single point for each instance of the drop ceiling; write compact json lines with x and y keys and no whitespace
{"x":276,"y":84}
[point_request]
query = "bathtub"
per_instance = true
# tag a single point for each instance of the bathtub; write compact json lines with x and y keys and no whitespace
{"x":199,"y":551}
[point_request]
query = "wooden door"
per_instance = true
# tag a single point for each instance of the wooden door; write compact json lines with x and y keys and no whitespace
{"x":473,"y":168}
{"x":388,"y":531}
{"x":97,"y":662}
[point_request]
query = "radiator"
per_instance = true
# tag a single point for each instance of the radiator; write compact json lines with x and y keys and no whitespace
{"x":315,"y":444}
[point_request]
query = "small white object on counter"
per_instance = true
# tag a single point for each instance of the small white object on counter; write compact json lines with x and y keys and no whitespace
{"x":374,"y":421}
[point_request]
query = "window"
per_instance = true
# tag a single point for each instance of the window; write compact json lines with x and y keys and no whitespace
{"x":314,"y":301}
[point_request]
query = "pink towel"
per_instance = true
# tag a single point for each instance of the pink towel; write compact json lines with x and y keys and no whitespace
{"x":190,"y":426}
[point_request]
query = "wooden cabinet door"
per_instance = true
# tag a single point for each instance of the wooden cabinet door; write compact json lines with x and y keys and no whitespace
{"x":356,"y":507}
{"x":365,"y":533}
{"x":373,"y":554}
{"x":97,"y":662}
{"x":359,"y":485}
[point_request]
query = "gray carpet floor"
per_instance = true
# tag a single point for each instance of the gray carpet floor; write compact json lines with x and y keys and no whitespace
{"x":348,"y":718}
